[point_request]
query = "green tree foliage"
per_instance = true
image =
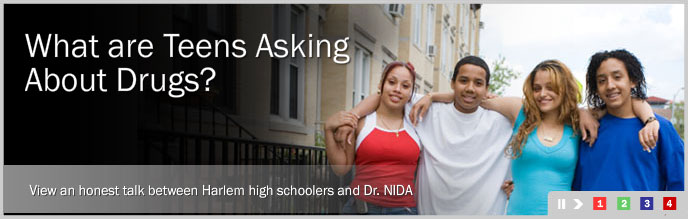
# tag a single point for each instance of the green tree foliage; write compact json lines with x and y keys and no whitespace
{"x":677,"y":118}
{"x":501,"y":76}
{"x":320,"y":139}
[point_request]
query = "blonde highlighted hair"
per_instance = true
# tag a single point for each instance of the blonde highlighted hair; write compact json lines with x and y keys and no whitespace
{"x":564,"y":85}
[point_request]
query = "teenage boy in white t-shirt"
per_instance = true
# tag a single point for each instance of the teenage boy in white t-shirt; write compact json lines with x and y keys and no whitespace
{"x":462,"y":165}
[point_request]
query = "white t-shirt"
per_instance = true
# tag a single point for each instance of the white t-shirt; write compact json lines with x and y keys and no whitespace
{"x":462,"y":165}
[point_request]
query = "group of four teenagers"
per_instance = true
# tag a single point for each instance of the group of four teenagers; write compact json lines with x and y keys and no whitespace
{"x":460,"y":151}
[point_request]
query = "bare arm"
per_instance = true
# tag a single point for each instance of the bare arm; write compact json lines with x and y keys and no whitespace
{"x":370,"y":103}
{"x":597,"y":113}
{"x":650,"y":133}
{"x":340,"y":155}
{"x":507,"y":106}
{"x":588,"y":124}
{"x":367,"y":105}
{"x":421,"y":107}
{"x":442,"y":97}
{"x":363,"y":108}
{"x":642,"y":109}
{"x":508,"y":187}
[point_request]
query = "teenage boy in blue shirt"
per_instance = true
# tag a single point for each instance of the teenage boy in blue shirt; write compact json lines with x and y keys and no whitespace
{"x":616,"y":161}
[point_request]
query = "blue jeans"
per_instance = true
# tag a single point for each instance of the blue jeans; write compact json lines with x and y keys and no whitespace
{"x":350,"y":208}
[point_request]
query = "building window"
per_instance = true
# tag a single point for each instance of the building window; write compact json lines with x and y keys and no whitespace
{"x":428,"y":87}
{"x":417,"y":10}
{"x":394,"y":10}
{"x":452,"y":10}
{"x":471,"y":31}
{"x":447,"y":60}
{"x":219,"y":25}
{"x":465,"y":21}
{"x":361,"y":75}
{"x":274,"y":86}
{"x":452,"y":60}
{"x":216,"y":20}
{"x":287,"y":74}
{"x":444,"y":59}
{"x":430,"y":25}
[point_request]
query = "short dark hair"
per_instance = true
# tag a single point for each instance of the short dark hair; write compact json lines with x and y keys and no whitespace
{"x":474,"y":60}
{"x":633,"y":67}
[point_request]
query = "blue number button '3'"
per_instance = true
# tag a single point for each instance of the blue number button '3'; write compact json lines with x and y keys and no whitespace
{"x":645,"y":203}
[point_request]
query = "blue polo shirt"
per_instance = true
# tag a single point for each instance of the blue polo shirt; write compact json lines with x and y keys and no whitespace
{"x":617,"y":162}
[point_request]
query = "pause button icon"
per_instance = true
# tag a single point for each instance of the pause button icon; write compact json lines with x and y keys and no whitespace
{"x":561,"y":203}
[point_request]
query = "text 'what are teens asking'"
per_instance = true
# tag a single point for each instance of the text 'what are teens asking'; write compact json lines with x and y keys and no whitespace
{"x":51,"y":46}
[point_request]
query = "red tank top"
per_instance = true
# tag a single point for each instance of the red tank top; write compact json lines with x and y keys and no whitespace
{"x":387,"y":164}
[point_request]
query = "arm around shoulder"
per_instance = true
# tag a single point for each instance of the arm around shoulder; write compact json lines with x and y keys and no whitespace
{"x":339,"y":154}
{"x":649,"y":135}
{"x":507,"y":106}
{"x":367,"y":105}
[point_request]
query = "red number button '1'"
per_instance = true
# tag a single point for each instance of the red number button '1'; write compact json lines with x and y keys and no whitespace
{"x":599,"y":203}
{"x":669,"y":203}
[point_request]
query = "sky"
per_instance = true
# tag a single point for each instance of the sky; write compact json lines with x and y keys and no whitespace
{"x":528,"y":34}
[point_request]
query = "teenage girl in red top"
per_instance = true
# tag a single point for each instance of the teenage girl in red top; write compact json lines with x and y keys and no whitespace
{"x":386,"y":148}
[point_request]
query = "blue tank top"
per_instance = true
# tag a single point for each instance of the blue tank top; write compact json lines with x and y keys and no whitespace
{"x":541,"y":169}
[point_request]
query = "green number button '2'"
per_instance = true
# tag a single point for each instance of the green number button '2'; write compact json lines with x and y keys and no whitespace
{"x":623,"y":203}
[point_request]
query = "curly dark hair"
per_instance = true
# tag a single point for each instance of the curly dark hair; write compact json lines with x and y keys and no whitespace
{"x":633,"y":67}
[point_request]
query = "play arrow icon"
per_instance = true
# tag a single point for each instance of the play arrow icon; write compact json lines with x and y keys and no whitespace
{"x":579,"y":204}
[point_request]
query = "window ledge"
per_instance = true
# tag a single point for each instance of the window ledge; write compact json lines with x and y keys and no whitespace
{"x":279,"y":124}
{"x":431,"y":59}
{"x":417,"y":48}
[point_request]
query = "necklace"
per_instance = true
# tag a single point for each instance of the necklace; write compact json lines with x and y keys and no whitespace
{"x":547,"y":138}
{"x":395,"y":131}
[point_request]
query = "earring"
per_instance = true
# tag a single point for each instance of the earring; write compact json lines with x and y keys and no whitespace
{"x":378,"y":91}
